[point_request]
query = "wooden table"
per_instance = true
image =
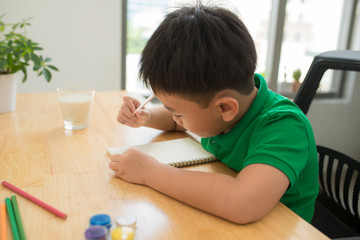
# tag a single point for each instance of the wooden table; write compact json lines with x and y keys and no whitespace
{"x":69,"y":170}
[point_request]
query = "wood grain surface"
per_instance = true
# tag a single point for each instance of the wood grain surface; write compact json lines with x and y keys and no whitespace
{"x":69,"y":170}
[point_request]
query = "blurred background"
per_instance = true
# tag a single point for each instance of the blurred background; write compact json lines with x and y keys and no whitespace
{"x":98,"y":43}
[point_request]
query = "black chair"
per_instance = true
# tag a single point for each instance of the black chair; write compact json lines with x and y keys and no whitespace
{"x":342,"y":60}
{"x":337,"y":206}
{"x":330,"y":97}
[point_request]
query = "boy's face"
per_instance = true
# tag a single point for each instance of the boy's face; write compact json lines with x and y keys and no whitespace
{"x":205,"y":122}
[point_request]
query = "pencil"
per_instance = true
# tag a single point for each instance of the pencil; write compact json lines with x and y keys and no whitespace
{"x":34,"y":200}
{"x":146,"y":102}
{"x":12,"y":220}
{"x":18,"y":217}
{"x":3,"y":227}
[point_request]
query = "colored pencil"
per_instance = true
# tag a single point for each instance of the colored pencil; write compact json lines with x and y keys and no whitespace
{"x":34,"y":200}
{"x":146,"y":102}
{"x":18,"y":217}
{"x":12,"y":220}
{"x":3,"y":227}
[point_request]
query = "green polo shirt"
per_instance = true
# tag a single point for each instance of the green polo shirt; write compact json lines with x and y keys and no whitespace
{"x":274,"y":131}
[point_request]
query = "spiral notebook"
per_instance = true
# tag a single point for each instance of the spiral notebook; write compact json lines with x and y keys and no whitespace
{"x":181,"y":152}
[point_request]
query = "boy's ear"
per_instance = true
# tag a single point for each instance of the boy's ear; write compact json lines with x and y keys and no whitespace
{"x":228,"y":107}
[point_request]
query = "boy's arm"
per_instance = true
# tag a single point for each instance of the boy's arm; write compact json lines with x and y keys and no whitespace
{"x":242,"y":199}
{"x":246,"y":198}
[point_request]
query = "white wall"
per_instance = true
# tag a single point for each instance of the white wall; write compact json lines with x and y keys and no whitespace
{"x":82,"y":37}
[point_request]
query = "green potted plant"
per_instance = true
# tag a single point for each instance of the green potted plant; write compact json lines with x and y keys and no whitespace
{"x":296,"y":76}
{"x":17,"y":53}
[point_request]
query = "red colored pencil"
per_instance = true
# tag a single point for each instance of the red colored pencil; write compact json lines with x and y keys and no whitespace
{"x":34,"y":200}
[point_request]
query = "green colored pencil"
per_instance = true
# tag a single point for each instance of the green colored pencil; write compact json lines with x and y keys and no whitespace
{"x":18,"y":217}
{"x":12,"y":219}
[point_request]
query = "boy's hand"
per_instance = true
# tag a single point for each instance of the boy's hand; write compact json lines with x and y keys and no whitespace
{"x":133,"y":166}
{"x":127,"y":116}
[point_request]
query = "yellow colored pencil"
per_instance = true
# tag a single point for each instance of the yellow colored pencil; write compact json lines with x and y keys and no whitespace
{"x":3,"y":227}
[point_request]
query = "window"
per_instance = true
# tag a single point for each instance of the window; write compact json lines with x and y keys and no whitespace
{"x":257,"y":20}
{"x":143,"y":17}
{"x":287,"y":35}
{"x":307,"y":33}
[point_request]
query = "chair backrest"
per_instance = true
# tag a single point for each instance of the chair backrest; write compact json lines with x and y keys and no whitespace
{"x":342,"y":60}
{"x":339,"y":178}
{"x":330,"y":97}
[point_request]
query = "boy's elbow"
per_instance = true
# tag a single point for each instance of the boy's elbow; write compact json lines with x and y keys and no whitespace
{"x":246,"y":215}
{"x":244,"y":219}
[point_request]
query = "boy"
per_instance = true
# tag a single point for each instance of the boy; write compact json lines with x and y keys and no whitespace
{"x":200,"y":64}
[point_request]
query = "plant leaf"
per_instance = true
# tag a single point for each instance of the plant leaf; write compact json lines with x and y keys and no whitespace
{"x":20,"y":43}
{"x":3,"y":64}
{"x":10,"y":61}
{"x":53,"y":67}
{"x":36,"y":67}
{"x":29,"y":44}
{"x":47,"y":74}
{"x":10,"y":43}
{"x":17,"y":51}
{"x":35,"y":59}
{"x":23,"y":69}
{"x":27,"y":57}
{"x":15,"y":26}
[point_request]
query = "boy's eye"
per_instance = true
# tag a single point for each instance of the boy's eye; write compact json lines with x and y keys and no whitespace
{"x":176,"y":115}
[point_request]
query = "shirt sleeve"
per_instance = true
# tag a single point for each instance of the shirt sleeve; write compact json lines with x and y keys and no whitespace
{"x":281,"y":140}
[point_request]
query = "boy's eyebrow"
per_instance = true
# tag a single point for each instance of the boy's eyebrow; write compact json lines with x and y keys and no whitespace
{"x":170,"y":109}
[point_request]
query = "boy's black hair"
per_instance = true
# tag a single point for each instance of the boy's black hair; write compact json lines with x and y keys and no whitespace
{"x":198,"y":51}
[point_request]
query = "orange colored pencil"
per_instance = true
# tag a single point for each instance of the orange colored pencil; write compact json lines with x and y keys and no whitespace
{"x":3,"y":227}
